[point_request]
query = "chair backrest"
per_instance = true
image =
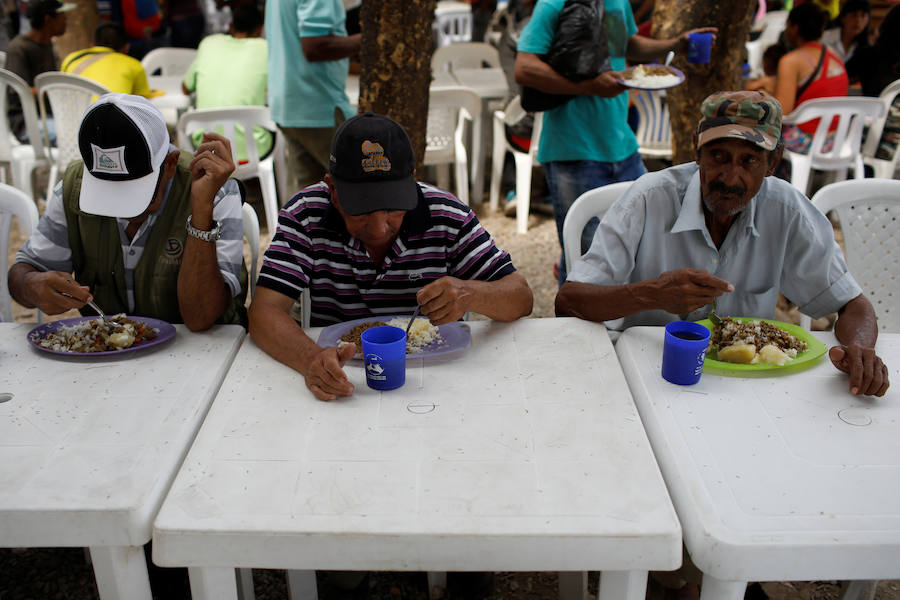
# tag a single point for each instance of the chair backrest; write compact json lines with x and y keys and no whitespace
{"x":69,"y":96}
{"x":592,"y":203}
{"x":851,"y":113}
{"x":13,"y":203}
{"x":232,"y":123}
{"x":452,"y":23}
{"x":654,"y":131}
{"x":446,"y":116}
{"x":772,"y":24}
{"x":876,"y":129}
{"x":8,"y":79}
{"x":467,"y":55}
{"x":251,"y":232}
{"x":868,"y":211}
{"x":170,"y":61}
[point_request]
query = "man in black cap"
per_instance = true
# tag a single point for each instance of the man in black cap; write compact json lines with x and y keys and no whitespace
{"x":369,"y":240}
{"x":32,"y":53}
{"x":138,"y":226}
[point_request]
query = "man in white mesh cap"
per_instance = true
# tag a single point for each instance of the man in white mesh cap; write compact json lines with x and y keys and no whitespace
{"x":139,"y":226}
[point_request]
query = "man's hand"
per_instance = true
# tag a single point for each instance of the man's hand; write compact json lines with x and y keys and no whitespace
{"x":55,"y":292}
{"x":607,"y":84}
{"x":325,"y":377}
{"x":684,"y":290}
{"x":211,"y":167}
{"x":444,"y":300}
{"x":868,"y":375}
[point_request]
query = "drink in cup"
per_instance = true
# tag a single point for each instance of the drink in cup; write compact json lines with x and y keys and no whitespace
{"x":699,"y":47}
{"x":384,"y":355}
{"x":684,"y":350}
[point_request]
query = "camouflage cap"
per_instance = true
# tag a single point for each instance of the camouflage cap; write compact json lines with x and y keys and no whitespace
{"x":751,"y":116}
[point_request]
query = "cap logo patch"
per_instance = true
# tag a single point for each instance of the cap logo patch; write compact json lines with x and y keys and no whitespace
{"x":374,"y":160}
{"x":109,"y":160}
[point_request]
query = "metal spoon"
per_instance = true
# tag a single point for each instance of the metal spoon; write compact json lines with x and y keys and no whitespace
{"x":411,"y":319}
{"x":669,"y":57}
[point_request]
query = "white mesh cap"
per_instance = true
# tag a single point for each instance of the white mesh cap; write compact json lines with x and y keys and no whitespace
{"x":123,"y":140}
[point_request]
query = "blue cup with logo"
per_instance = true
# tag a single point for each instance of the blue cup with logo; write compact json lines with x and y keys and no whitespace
{"x":699,"y":47}
{"x":684,"y":351}
{"x":384,"y":355}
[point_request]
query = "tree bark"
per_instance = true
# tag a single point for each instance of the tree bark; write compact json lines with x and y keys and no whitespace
{"x":395,"y":64}
{"x":723,"y":72}
{"x":80,"y":25}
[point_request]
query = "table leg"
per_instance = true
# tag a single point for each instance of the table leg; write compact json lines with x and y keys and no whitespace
{"x":302,"y":585}
{"x":627,"y":585}
{"x":719,"y":589}
{"x":121,"y":572}
{"x":213,"y":583}
{"x":572,"y":585}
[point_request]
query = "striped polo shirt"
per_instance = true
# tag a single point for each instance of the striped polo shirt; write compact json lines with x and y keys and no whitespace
{"x":312,"y":249}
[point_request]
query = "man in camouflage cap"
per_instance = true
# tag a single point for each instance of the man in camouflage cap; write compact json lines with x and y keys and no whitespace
{"x":720,"y":227}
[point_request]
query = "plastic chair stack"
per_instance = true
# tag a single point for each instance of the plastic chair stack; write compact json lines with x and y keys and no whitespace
{"x":845,"y":152}
{"x":69,"y":96}
{"x":225,"y":121}
{"x":452,"y":23}
{"x":448,"y":111}
{"x":654,"y":132}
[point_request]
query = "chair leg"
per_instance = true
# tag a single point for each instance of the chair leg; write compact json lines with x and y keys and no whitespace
{"x":462,"y":179}
{"x":443,"y":176}
{"x":523,"y":191}
{"x":498,"y":156}
{"x":270,"y":197}
{"x":51,"y":181}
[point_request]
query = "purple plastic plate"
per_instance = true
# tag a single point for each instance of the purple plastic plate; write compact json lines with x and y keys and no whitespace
{"x":628,"y":83}
{"x":165,"y":332}
{"x":456,"y":336}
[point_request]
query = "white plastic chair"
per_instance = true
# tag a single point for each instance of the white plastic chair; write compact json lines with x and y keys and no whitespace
{"x":654,"y":131}
{"x":868,"y":211}
{"x":882,"y":168}
{"x":171,"y":62}
{"x":13,"y":203}
{"x":846,"y":150}
{"x":452,"y":23}
{"x":224,"y":120}
{"x":69,"y":96}
{"x":524,"y":161}
{"x":2,"y":59}
{"x":468,"y":55}
{"x":22,"y":159}
{"x":592,"y":203}
{"x":448,"y":111}
{"x":772,"y":25}
{"x":251,"y":232}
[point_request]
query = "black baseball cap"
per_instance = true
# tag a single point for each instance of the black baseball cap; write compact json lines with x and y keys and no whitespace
{"x":372,"y":165}
{"x":38,"y":9}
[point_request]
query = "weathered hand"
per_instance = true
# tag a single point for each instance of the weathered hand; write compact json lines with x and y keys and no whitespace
{"x":325,"y":377}
{"x":868,"y":374}
{"x":684,"y":290}
{"x":211,"y":167}
{"x":444,"y":300}
{"x":57,"y":292}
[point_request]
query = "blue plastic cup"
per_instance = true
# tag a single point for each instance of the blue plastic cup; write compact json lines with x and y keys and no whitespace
{"x":384,"y":355}
{"x":684,"y":350}
{"x":699,"y":47}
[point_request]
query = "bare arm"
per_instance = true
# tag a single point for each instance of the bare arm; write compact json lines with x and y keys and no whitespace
{"x":530,"y":70}
{"x":53,"y":292}
{"x":676,"y":292}
{"x":278,"y":334}
{"x":330,"y":47}
{"x":203,"y":294}
{"x":642,"y":49}
{"x":786,"y":81}
{"x":857,"y":330}
{"x":448,"y":299}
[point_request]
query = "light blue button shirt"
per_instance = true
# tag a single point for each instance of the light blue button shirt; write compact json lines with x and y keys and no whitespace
{"x":779,"y":242}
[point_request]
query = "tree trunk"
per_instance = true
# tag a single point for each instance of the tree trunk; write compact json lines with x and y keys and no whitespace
{"x":395,"y":64}
{"x":80,"y":25}
{"x":722,"y":73}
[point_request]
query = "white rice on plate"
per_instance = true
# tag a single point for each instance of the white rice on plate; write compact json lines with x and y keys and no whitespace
{"x":641,"y":77}
{"x":421,"y":334}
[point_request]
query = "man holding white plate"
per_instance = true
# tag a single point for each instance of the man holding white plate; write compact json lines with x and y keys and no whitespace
{"x":720,"y":227}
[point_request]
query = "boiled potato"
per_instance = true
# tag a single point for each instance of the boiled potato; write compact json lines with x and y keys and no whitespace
{"x":771,"y":354}
{"x":737,"y":353}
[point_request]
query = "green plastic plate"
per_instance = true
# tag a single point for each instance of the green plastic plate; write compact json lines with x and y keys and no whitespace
{"x":802,"y":361}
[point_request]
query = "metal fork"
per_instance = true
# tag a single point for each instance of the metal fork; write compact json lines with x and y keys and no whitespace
{"x":712,"y":313}
{"x":110,"y":324}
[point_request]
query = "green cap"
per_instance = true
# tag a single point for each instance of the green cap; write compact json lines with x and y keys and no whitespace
{"x":751,"y":116}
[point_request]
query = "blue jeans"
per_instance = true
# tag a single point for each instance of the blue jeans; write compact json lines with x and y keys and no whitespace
{"x":569,"y":179}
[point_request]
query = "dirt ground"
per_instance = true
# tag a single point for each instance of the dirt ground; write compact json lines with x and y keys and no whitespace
{"x":64,"y":573}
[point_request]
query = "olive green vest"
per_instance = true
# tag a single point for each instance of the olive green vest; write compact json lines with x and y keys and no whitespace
{"x":97,"y":254}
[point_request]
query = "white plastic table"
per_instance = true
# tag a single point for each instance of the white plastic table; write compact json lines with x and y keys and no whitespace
{"x":523,"y":452}
{"x":778,"y":478}
{"x":89,"y":446}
